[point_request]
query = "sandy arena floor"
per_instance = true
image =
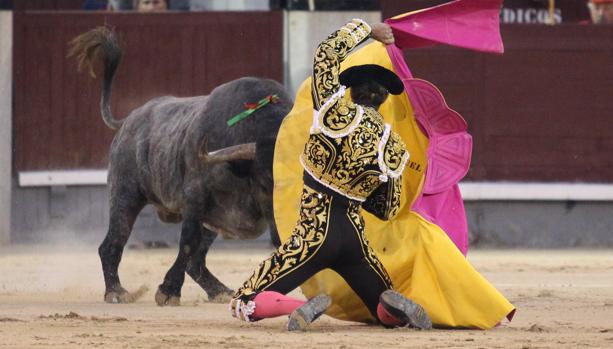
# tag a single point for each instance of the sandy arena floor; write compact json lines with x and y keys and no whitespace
{"x":52,"y":298}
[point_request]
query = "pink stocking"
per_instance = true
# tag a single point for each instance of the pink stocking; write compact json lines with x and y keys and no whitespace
{"x":387,"y":318}
{"x":272,"y":304}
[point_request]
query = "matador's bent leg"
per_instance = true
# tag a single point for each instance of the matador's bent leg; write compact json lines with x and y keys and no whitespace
{"x":366,"y":275}
{"x":309,"y":249}
{"x":358,"y":264}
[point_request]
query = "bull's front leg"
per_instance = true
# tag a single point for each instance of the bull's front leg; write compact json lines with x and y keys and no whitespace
{"x":169,"y":292}
{"x":196,"y":268}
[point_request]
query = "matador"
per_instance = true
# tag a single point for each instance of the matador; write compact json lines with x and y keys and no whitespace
{"x":352,"y":160}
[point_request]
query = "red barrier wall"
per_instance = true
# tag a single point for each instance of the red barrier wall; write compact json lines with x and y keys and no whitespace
{"x":540,"y":112}
{"x":57,"y":123}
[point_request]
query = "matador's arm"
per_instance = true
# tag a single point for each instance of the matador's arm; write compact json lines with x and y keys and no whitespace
{"x":329,"y":55}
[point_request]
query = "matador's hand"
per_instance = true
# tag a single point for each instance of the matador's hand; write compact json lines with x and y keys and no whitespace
{"x":382,"y":33}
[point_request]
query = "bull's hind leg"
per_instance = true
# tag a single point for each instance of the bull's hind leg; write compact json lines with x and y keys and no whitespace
{"x":169,"y":292}
{"x":124,"y":209}
{"x":196,"y":268}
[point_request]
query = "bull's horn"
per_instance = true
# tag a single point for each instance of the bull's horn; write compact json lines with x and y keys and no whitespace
{"x":244,"y":151}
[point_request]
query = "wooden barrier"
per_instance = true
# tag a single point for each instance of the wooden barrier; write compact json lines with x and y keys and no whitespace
{"x":57,"y":123}
{"x":540,"y":112}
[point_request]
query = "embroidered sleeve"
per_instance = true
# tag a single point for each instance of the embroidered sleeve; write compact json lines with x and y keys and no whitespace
{"x":384,"y":202}
{"x":393,"y":155}
{"x":329,"y":55}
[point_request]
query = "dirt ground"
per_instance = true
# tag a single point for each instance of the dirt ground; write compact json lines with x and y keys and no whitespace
{"x":51,"y":297}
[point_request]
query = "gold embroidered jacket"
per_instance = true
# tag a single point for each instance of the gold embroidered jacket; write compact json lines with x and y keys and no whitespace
{"x":351,"y":150}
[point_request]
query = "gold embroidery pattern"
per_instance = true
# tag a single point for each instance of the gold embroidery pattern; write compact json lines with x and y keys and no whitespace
{"x":347,"y":164}
{"x":394,"y":197}
{"x":338,"y":116}
{"x":358,"y":222}
{"x":326,"y":66}
{"x":328,"y":57}
{"x":394,"y":152}
{"x":319,"y":151}
{"x":306,"y":239}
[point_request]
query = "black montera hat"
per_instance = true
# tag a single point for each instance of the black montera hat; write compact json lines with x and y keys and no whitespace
{"x":360,"y":74}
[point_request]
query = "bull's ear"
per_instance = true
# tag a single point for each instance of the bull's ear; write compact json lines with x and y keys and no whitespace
{"x":244,"y":151}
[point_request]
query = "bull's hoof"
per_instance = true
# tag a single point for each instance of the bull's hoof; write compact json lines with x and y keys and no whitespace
{"x":121,"y":296}
{"x":224,"y":297}
{"x":162,"y":299}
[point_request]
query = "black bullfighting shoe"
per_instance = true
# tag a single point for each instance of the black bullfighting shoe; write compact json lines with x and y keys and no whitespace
{"x":300,"y":318}
{"x":405,"y":310}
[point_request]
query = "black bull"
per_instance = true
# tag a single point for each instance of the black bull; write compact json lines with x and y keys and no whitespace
{"x":160,"y":156}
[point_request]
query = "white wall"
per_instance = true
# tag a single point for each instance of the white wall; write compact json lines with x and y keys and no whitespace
{"x":229,"y":5}
{"x":6,"y":66}
{"x":305,"y":30}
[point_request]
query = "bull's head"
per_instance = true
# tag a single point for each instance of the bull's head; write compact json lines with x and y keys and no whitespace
{"x":237,"y":213}
{"x":244,"y":151}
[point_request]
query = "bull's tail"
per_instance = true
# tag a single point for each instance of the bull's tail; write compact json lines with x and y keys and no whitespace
{"x":104,"y":42}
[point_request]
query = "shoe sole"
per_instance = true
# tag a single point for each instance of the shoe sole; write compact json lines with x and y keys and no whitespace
{"x":405,"y":310}
{"x":302,"y":317}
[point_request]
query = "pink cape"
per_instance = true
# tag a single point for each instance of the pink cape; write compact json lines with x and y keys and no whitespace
{"x":471,"y":24}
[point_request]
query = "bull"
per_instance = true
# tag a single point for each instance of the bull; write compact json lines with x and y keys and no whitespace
{"x":161,"y":155}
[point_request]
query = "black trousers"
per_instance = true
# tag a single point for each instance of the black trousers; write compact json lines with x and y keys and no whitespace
{"x":329,"y":234}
